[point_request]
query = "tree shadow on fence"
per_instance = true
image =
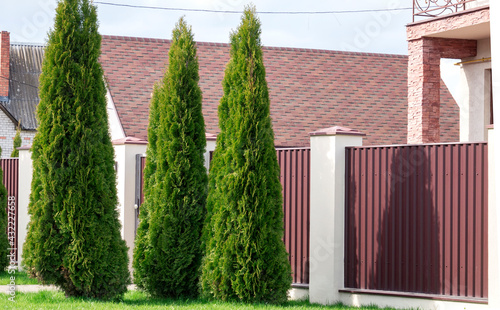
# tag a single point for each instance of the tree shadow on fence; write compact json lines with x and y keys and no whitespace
{"x":407,"y":244}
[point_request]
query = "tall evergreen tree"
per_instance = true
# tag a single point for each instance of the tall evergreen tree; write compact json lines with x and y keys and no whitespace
{"x":74,"y":236}
{"x":167,"y":256}
{"x":245,"y":257}
{"x":17,"y":142}
{"x":4,"y":240}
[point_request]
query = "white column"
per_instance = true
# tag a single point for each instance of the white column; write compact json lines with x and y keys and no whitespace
{"x":494,"y":168}
{"x":24,"y":190}
{"x":326,"y":275}
{"x":125,"y":156}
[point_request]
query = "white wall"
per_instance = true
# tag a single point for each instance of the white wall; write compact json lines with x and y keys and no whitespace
{"x":477,"y":3}
{"x":7,"y":133}
{"x":474,"y":99}
{"x":115,"y":126}
{"x":24,"y":190}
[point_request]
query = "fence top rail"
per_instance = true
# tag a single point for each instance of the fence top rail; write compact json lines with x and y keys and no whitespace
{"x":414,"y":145}
{"x":292,"y":148}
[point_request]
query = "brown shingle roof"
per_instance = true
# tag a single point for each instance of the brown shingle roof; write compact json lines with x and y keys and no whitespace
{"x":309,"y":89}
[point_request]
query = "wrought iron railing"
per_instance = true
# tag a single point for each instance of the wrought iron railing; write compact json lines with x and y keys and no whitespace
{"x":434,"y":8}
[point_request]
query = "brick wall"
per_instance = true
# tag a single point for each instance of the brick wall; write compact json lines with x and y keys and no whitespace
{"x":445,"y":23}
{"x":424,"y":83}
{"x":424,"y":54}
{"x":7,"y":133}
{"x":4,"y":63}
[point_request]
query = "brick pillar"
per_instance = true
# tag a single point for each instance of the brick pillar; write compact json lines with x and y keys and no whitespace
{"x":4,"y":63}
{"x":424,"y":83}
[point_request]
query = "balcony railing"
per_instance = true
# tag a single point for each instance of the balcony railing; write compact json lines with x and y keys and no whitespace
{"x":434,"y":8}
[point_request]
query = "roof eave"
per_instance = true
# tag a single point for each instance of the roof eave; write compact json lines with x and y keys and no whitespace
{"x":7,"y":112}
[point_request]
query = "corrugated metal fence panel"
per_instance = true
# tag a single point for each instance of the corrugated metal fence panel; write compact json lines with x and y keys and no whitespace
{"x":416,"y":219}
{"x":295,"y":179}
{"x":10,"y":168}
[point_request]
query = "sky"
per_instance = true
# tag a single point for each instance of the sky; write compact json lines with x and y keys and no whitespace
{"x":380,"y":31}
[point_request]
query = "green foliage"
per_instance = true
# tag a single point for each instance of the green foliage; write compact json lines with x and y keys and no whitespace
{"x":17,"y":142}
{"x":74,"y":236}
{"x":245,"y":255}
{"x":4,"y":241}
{"x":168,"y":252}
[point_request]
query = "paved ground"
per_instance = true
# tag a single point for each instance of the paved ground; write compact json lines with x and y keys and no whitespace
{"x":27,"y":288}
{"x":36,"y":288}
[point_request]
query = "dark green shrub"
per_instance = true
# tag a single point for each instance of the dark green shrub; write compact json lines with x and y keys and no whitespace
{"x":245,"y":257}
{"x":74,"y":236}
{"x":168,"y":251}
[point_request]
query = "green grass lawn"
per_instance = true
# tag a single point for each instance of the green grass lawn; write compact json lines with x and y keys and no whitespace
{"x":139,"y":300}
{"x":20,"y":278}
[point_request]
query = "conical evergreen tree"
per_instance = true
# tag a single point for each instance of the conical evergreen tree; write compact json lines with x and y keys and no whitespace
{"x":74,"y":236}
{"x":168,"y":251}
{"x":17,"y":142}
{"x":4,"y":238}
{"x":245,"y":257}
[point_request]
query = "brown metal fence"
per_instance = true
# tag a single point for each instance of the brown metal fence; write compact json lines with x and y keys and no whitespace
{"x":10,"y":168}
{"x":295,"y":179}
{"x":416,"y":219}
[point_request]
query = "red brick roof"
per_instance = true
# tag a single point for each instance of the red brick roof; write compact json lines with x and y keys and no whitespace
{"x":309,"y":89}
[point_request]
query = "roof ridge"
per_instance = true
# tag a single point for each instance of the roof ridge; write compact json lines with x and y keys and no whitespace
{"x":294,"y":49}
{"x":319,"y":50}
{"x":27,"y":44}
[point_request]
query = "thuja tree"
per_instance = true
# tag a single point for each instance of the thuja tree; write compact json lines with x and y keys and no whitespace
{"x":245,"y":256}
{"x":17,"y":142}
{"x":73,"y":238}
{"x":4,"y":241}
{"x":168,"y":252}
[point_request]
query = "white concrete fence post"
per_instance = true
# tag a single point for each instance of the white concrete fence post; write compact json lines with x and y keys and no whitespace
{"x":24,"y":190}
{"x":326,"y":275}
{"x":494,"y":167}
{"x":493,"y":226}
